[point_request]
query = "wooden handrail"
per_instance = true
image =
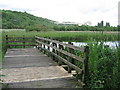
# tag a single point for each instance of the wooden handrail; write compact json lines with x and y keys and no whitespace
{"x":54,"y":41}
{"x":22,"y":41}
{"x":60,"y":54}
{"x":64,"y":52}
{"x":59,"y":51}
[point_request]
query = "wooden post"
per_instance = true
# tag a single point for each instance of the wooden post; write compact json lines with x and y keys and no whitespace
{"x":40,"y":45}
{"x":59,"y":54}
{"x":53,"y":50}
{"x":44,"y":48}
{"x":86,"y":68}
{"x":70,"y":43}
{"x":36,"y":44}
{"x":23,"y":41}
{"x":7,"y":44}
{"x":48,"y":48}
{"x":69,"y":58}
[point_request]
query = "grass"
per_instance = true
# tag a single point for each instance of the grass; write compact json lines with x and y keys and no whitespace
{"x":104,"y":67}
{"x":62,"y":36}
{"x":69,"y":36}
{"x":104,"y":64}
{"x":0,"y":47}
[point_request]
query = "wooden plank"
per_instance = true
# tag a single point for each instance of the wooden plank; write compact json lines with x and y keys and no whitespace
{"x":86,"y":68}
{"x":67,"y":62}
{"x":37,"y":71}
{"x":22,"y":45}
{"x":21,"y":38}
{"x":21,"y":41}
{"x":64,"y":52}
{"x":67,"y":45}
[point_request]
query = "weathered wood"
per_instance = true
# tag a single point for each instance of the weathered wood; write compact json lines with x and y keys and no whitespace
{"x":21,"y":37}
{"x":44,"y":47}
{"x":28,"y":68}
{"x":64,"y":52}
{"x":23,"y":40}
{"x":66,"y":45}
{"x":21,"y":45}
{"x":67,"y":62}
{"x":7,"y":44}
{"x":20,"y":41}
{"x":48,"y":48}
{"x":69,"y":58}
{"x":86,"y":68}
{"x":59,"y":54}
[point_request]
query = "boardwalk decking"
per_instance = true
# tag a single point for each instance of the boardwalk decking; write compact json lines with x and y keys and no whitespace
{"x":29,"y":68}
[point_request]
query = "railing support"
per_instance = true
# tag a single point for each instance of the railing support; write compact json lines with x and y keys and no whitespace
{"x":23,"y":41}
{"x":7,"y":44}
{"x":18,"y":41}
{"x":86,"y":68}
{"x":67,"y":57}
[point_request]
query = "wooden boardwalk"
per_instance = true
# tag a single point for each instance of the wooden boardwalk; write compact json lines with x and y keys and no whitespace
{"x":29,"y":68}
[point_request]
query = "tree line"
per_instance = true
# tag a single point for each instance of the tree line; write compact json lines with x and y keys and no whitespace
{"x":99,"y":27}
{"x":23,"y":20}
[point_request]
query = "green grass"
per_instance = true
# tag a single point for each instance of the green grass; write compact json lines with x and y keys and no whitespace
{"x":62,"y":36}
{"x":69,"y":36}
{"x":0,"y":47}
{"x":104,"y":64}
{"x":104,"y":67}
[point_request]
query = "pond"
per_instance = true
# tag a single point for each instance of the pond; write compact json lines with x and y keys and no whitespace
{"x":111,"y":44}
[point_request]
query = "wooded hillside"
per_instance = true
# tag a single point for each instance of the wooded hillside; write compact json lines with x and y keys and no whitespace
{"x":16,"y":20}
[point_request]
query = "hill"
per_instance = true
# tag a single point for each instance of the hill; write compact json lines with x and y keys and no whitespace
{"x":23,"y":20}
{"x":19,"y":20}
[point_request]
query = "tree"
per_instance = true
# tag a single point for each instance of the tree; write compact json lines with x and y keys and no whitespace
{"x":37,"y":27}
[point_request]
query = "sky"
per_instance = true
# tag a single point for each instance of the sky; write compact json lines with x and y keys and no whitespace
{"x":79,"y":11}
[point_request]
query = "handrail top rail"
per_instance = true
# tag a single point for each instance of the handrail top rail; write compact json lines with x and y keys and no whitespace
{"x":64,"y":52}
{"x":20,"y":37}
{"x":67,"y":45}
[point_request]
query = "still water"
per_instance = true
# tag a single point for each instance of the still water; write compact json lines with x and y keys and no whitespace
{"x":111,"y":44}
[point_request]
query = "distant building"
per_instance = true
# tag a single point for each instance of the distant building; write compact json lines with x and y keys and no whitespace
{"x":73,"y":23}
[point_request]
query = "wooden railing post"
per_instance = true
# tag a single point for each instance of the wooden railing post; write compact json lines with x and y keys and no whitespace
{"x":36,"y":44}
{"x":44,"y":47}
{"x":54,"y":51}
{"x":7,"y":44}
{"x":23,"y":41}
{"x":59,"y":54}
{"x":86,"y":68}
{"x":40,"y":46}
{"x":48,"y":42}
{"x":69,"y":59}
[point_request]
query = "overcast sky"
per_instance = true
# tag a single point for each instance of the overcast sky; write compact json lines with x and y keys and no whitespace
{"x":79,"y":11}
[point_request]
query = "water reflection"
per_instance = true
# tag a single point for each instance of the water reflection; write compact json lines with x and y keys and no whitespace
{"x":111,"y":44}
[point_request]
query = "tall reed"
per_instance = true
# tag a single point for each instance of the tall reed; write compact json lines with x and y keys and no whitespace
{"x":104,"y":66}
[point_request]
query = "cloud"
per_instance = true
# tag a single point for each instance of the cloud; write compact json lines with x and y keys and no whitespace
{"x":68,"y":10}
